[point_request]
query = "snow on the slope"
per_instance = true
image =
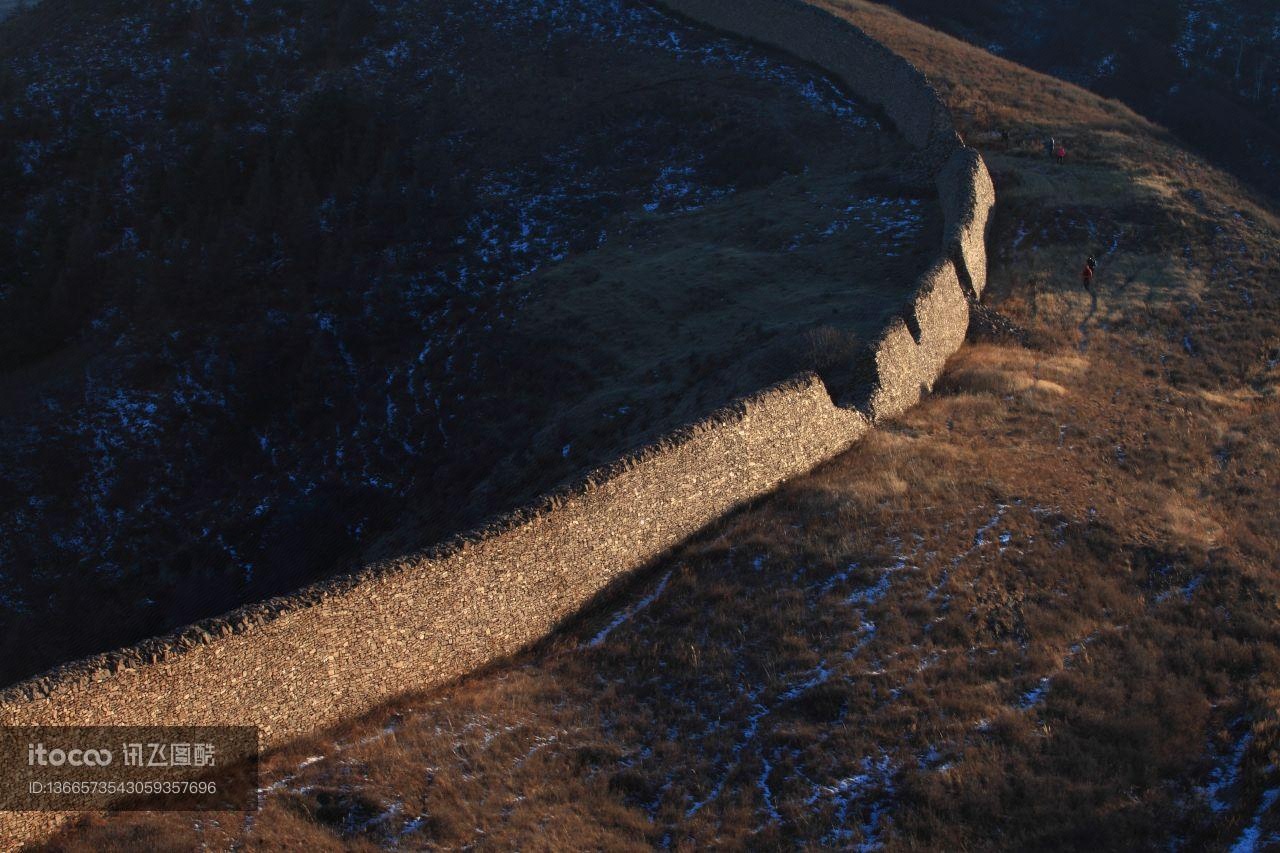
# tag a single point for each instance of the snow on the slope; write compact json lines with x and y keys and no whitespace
{"x":1251,"y":839}
{"x":629,"y":612}
{"x":118,"y":416}
{"x":1225,"y":774}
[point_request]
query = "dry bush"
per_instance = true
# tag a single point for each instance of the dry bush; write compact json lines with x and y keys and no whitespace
{"x":987,"y":369}
{"x":827,"y":346}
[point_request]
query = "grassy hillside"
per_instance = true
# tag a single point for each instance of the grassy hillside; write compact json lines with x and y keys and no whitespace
{"x":1207,"y":69}
{"x":1037,"y":612}
{"x":285,"y":286}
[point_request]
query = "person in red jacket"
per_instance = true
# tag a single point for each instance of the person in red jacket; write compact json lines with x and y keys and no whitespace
{"x":1059,"y":153}
{"x":1086,"y":276}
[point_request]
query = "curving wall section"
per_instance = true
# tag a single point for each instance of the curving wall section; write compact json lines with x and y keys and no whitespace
{"x":294,"y":664}
{"x":910,"y":354}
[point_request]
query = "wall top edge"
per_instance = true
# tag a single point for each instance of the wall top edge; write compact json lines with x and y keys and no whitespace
{"x":253,"y":616}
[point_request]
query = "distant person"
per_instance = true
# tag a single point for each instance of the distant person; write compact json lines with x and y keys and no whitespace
{"x":1049,"y":147}
{"x":1059,"y":153}
{"x":1091,"y":263}
{"x":1086,"y":274}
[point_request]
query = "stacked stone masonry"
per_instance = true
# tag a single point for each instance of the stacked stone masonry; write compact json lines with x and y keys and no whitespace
{"x":334,"y":650}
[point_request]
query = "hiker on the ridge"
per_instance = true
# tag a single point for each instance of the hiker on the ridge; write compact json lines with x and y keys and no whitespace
{"x":1049,"y":147}
{"x":1091,"y":263}
{"x":1086,"y":274}
{"x":1059,"y":153}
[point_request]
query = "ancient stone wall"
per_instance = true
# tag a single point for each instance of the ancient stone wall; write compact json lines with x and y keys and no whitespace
{"x":336,"y":649}
{"x":868,"y":69}
{"x":967,"y":196}
{"x":910,"y":352}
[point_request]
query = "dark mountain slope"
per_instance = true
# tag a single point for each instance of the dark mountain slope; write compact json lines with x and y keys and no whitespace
{"x":1207,"y":69}
{"x":276,"y":276}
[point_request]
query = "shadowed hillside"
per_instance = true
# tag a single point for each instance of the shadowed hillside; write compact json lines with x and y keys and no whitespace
{"x":286,"y":286}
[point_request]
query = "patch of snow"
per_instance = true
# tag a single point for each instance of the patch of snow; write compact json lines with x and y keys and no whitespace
{"x":628,"y":613}
{"x":1035,"y":695}
{"x":766,"y":769}
{"x":1023,"y":233}
{"x":1187,"y":591}
{"x":1251,"y":838}
{"x":1225,"y":776}
{"x":876,"y":778}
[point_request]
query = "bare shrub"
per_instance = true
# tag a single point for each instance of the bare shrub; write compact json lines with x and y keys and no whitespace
{"x":827,"y":347}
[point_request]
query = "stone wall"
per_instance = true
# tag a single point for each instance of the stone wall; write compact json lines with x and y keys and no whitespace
{"x":967,"y":196}
{"x":868,"y":69}
{"x":911,"y":352}
{"x":295,"y":664}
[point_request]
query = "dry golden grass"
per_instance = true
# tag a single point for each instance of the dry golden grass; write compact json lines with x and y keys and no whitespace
{"x":1039,"y":611}
{"x":1004,"y":371}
